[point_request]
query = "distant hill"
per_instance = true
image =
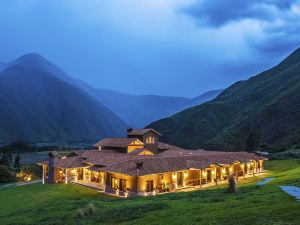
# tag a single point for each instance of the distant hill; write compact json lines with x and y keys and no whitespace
{"x":135,"y":110}
{"x":261,"y":112}
{"x":118,"y":110}
{"x":37,"y":106}
{"x":140,"y":110}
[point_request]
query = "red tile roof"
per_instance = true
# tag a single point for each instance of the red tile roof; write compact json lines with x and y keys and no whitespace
{"x":142,"y":131}
{"x":115,"y":142}
{"x":71,"y":162}
{"x":172,"y":160}
{"x":164,"y":146}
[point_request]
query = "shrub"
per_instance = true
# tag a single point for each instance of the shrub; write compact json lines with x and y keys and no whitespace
{"x":90,"y":209}
{"x":80,"y":213}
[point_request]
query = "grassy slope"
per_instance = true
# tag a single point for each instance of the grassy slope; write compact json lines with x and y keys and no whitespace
{"x":57,"y":204}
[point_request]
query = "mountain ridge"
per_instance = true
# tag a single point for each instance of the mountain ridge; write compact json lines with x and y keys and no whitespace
{"x":245,"y":116}
{"x":40,"y":107}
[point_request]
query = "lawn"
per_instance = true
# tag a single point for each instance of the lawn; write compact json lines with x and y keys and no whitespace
{"x":60,"y":204}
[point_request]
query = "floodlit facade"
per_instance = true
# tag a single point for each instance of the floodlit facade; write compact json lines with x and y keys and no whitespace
{"x":141,"y":165}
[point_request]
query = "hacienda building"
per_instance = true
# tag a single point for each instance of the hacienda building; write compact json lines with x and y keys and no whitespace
{"x":141,"y":165}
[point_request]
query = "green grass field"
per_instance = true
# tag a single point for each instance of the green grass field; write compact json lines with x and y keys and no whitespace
{"x":58,"y":204}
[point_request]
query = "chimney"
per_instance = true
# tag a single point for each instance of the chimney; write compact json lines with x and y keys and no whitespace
{"x":129,"y":130}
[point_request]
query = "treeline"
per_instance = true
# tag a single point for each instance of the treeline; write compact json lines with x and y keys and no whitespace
{"x":9,"y":167}
{"x":22,"y":147}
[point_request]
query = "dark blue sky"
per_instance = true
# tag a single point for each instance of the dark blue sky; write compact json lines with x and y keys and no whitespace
{"x":166,"y":47}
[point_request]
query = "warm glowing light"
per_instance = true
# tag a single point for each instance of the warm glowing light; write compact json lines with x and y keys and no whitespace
{"x":185,"y":174}
{"x":213,"y":172}
{"x":60,"y":171}
{"x":223,"y":170}
{"x":230,"y":169}
{"x":242,"y":165}
{"x":174,"y":176}
{"x":248,"y":164}
{"x":126,"y":194}
{"x":204,"y":173}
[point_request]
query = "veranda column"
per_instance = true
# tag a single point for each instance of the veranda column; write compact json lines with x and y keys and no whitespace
{"x":200,"y":178}
{"x":243,"y":169}
{"x":66,"y":176}
{"x":216,"y":175}
{"x":43,"y":174}
{"x":237,"y":172}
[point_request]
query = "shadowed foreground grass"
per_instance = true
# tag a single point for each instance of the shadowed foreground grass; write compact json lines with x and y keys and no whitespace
{"x":58,"y":204}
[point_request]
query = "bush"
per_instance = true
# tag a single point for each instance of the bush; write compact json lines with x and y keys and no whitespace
{"x":80,"y":213}
{"x":87,"y":211}
{"x":7,"y":174}
{"x":90,"y":209}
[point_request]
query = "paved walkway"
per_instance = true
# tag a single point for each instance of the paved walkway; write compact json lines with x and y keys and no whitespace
{"x":264,"y":181}
{"x":292,"y":190}
{"x":12,"y":185}
{"x":89,"y":184}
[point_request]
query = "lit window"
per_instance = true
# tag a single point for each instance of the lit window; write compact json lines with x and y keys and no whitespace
{"x":150,"y":140}
{"x":114,"y":183}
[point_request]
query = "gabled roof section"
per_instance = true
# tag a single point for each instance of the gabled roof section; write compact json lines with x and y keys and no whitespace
{"x":118,"y":142}
{"x":142,"y":131}
{"x":71,"y":162}
{"x":141,"y":151}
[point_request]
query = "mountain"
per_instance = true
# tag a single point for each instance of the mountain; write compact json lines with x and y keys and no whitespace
{"x":205,"y":97}
{"x":37,"y":106}
{"x":38,"y":62}
{"x":140,"y":110}
{"x":261,"y":112}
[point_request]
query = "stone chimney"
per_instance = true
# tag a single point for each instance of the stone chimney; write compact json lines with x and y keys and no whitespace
{"x":129,"y":130}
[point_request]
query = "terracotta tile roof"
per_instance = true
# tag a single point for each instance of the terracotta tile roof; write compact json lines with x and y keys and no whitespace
{"x":115,"y":142}
{"x":172,"y":160}
{"x":180,"y":151}
{"x":159,"y":164}
{"x":104,"y":158}
{"x":142,"y":131}
{"x":198,"y":164}
{"x":95,"y":168}
{"x":151,"y":165}
{"x":71,"y":162}
{"x":164,"y":146}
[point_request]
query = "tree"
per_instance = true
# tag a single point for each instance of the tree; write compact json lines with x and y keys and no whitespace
{"x":17,"y":163}
{"x":231,"y":184}
{"x":252,"y":141}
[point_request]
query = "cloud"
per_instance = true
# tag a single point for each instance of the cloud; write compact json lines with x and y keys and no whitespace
{"x":219,"y":13}
{"x":276,"y":22}
{"x":153,"y":46}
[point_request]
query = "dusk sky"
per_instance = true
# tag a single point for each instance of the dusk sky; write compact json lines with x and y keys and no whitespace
{"x":165,"y":47}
